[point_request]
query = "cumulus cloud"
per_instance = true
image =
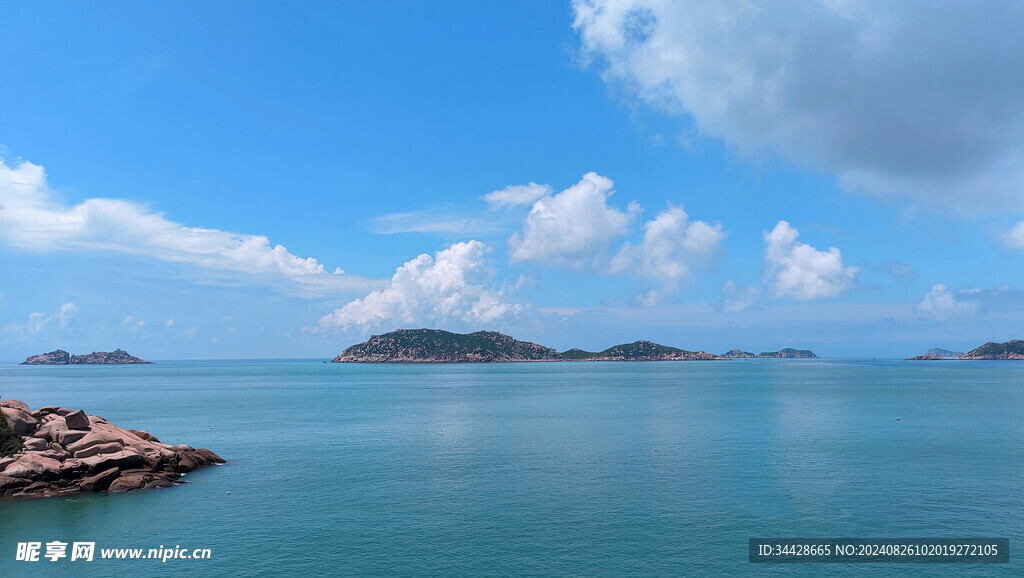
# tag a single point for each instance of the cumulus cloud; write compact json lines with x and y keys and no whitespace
{"x":671,"y":244}
{"x":574,"y":228}
{"x":911,"y":98}
{"x":515,"y":195}
{"x":940,"y":303}
{"x":1015,"y":237}
{"x":30,"y":218}
{"x":37,"y":322}
{"x":448,"y":286}
{"x":800,"y":271}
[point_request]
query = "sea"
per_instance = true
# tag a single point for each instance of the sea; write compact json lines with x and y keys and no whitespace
{"x":536,"y":469}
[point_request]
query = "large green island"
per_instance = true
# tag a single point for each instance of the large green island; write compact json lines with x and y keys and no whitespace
{"x":438,"y":346}
{"x":1011,"y":350}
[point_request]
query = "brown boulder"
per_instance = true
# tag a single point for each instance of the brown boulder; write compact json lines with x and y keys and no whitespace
{"x":39,"y":487}
{"x":69,"y":436}
{"x":35,"y":444}
{"x":11,"y":484}
{"x":100,"y":481}
{"x":205,"y":457}
{"x":94,"y":450}
{"x":53,"y":409}
{"x":72,"y":468}
{"x":92,"y":438}
{"x":21,"y":422}
{"x":34,"y":466}
{"x":52,"y":427}
{"x":77,"y":420}
{"x":16,"y":404}
{"x":139,"y":479}
{"x":145,"y":435}
{"x":124,"y":459}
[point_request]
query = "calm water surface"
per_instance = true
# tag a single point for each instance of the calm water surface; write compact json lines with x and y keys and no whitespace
{"x":540,"y":468}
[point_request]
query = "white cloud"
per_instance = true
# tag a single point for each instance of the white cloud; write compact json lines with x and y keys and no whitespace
{"x":913,"y":98}
{"x":37,"y":322}
{"x":30,"y":218}
{"x":737,"y":297}
{"x":1015,"y":237}
{"x":448,"y":286}
{"x":515,"y":195}
{"x":799,"y":270}
{"x":940,"y":303}
{"x":574,"y":228}
{"x":169,"y":322}
{"x":428,"y":222}
{"x":671,"y":243}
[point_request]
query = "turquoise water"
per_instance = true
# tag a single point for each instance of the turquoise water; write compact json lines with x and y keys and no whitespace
{"x":540,"y":468}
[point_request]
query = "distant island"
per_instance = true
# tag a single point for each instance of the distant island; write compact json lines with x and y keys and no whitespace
{"x":638,"y":351}
{"x":1013,"y":349}
{"x":61,"y":357}
{"x":787,"y":353}
{"x":939,"y":352}
{"x":439,"y":346}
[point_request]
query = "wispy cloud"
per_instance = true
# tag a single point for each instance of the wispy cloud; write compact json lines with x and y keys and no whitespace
{"x":32,"y":219}
{"x":37,"y":322}
{"x":516,"y":195}
{"x":737,"y":297}
{"x":429,"y":222}
{"x":1015,"y":237}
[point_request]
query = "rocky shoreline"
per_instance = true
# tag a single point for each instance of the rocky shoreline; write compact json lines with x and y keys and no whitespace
{"x":64,"y":450}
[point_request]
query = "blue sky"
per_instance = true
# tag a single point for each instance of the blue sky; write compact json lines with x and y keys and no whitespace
{"x":191,"y":180}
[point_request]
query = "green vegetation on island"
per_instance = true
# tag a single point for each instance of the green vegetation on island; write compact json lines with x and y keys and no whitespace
{"x":638,"y":351}
{"x":10,"y":441}
{"x":1012,"y":349}
{"x":439,"y":346}
{"x":61,"y":357}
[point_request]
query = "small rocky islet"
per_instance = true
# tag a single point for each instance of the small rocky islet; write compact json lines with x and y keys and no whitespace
{"x":439,"y":346}
{"x":56,"y":450}
{"x":61,"y":357}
